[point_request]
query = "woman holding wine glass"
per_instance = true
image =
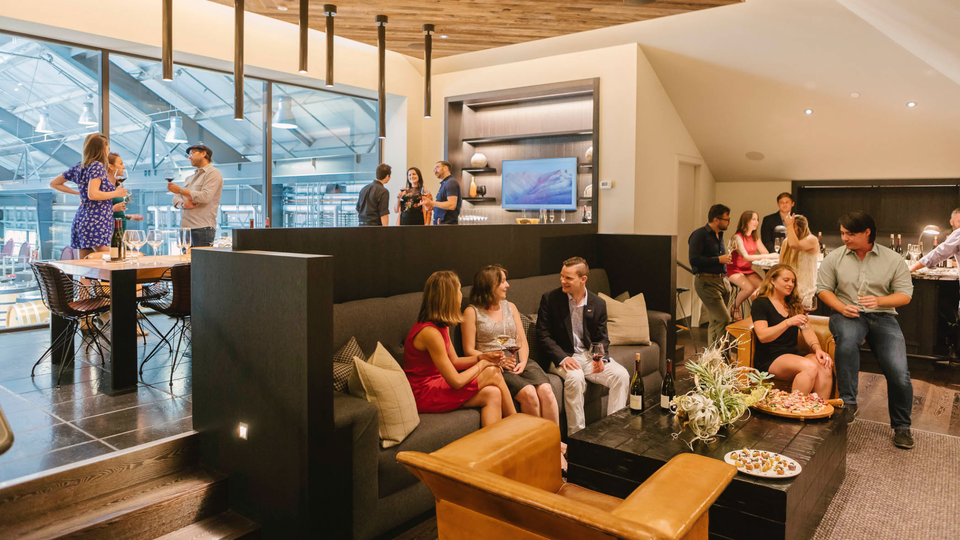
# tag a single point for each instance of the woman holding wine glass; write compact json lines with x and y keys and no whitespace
{"x":117,"y":173}
{"x":491,"y":323}
{"x":779,"y":321}
{"x":746,"y":249}
{"x":440,"y":379}
{"x":410,"y":209}
{"x":800,"y":251}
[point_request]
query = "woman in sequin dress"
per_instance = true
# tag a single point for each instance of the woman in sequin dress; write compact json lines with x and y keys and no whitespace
{"x":93,"y":223}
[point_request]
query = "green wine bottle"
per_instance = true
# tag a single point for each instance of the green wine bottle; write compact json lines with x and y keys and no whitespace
{"x":117,"y":250}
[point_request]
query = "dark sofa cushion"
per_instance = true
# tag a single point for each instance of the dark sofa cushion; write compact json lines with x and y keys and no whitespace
{"x":434,"y":432}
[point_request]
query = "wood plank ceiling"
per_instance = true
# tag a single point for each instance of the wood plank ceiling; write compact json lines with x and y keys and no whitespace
{"x":473,"y":25}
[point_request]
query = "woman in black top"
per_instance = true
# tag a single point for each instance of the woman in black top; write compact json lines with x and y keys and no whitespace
{"x":410,"y":201}
{"x":778,"y":320}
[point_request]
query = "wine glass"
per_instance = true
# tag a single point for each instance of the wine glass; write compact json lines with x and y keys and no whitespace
{"x":776,"y":245}
{"x":563,"y":216}
{"x":809,"y":306}
{"x":128,"y":242}
{"x":862,"y":291}
{"x":155,"y":239}
{"x":597,"y":353}
{"x":184,"y":241}
{"x":551,"y":215}
{"x":134,"y":239}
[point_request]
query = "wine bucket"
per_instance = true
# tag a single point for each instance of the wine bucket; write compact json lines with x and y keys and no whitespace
{"x":27,"y":313}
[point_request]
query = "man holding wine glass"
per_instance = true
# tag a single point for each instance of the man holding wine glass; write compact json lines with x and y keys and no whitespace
{"x":199,"y":198}
{"x":570,"y":322}
{"x":864,"y":283}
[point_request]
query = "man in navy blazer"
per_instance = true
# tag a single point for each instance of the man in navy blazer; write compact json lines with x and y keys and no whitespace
{"x":569,"y":321}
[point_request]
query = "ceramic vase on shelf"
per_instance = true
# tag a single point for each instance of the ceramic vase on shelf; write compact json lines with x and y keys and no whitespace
{"x":588,"y":157}
{"x":473,"y":187}
{"x":478,"y":161}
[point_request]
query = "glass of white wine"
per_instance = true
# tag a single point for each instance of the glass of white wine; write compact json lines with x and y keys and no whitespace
{"x":862,"y":291}
{"x":776,"y":245}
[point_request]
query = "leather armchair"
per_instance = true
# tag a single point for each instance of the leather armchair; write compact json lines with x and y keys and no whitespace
{"x":747,"y":340}
{"x":504,"y":481}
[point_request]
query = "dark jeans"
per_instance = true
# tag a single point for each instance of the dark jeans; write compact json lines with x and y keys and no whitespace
{"x":202,"y":237}
{"x":882,"y":332}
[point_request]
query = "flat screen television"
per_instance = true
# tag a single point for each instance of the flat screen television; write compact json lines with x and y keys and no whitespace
{"x":531,"y":184}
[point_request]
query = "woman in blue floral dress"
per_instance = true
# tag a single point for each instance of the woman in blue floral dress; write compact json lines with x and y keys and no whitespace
{"x":93,"y":224}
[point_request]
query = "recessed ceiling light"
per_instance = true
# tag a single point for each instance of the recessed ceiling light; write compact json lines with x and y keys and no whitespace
{"x":282,"y":8}
{"x":755,"y":156}
{"x":444,"y":36}
{"x":911,"y":104}
{"x":855,"y":94}
{"x":808,"y":111}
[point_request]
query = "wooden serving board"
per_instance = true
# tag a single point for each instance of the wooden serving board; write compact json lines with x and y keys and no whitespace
{"x":825,"y":413}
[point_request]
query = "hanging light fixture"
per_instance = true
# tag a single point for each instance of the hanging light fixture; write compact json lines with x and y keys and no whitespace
{"x":283,"y":118}
{"x":176,"y":134}
{"x":304,"y":27}
{"x":167,"y":40}
{"x":329,"y":11}
{"x":43,"y":125}
{"x":238,"y":60}
{"x":88,"y":117}
{"x":382,"y":62}
{"x":428,"y":57}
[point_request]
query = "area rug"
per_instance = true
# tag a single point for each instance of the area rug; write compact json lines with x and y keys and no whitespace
{"x":893,"y":493}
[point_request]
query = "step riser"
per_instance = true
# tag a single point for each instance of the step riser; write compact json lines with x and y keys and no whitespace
{"x":152,"y":521}
{"x":39,"y":496}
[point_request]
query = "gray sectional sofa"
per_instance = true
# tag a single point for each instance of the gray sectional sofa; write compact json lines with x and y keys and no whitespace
{"x":384,"y":493}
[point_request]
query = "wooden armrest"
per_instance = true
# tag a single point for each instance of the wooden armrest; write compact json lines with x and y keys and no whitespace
{"x":676,"y":496}
{"x":520,"y":447}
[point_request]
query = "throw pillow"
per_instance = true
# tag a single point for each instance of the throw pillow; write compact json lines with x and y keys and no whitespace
{"x":627,"y":322}
{"x":529,"y":323}
{"x":385,"y":385}
{"x":343,"y":364}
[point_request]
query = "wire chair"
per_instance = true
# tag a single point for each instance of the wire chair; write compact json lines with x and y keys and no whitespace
{"x":175,"y":302}
{"x":73,"y":301}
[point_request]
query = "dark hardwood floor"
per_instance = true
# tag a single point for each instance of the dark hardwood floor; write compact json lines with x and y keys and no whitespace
{"x":59,"y":426}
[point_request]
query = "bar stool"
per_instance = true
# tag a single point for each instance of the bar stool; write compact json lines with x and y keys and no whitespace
{"x":72,"y":301}
{"x":176,"y":304}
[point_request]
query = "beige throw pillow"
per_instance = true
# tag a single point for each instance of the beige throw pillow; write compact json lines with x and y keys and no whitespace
{"x":627,"y":322}
{"x":385,"y":385}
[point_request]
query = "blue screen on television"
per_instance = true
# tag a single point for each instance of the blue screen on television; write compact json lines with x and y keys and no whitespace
{"x":531,"y":184}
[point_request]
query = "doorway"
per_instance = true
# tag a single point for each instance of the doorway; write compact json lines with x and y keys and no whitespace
{"x":688,"y":219}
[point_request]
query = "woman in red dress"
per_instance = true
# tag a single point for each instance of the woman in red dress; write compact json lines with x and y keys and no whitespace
{"x":441,"y":380}
{"x":746,"y":249}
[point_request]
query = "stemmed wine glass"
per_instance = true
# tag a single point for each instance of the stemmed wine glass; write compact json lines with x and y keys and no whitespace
{"x":184,"y":241}
{"x":551,"y":215}
{"x":155,"y":239}
{"x":809,"y":306}
{"x":563,"y":216}
{"x":862,"y":291}
{"x":597,"y":353}
{"x":134,"y":239}
{"x":776,"y":245}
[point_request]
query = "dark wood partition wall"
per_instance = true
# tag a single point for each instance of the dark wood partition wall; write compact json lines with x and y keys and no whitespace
{"x":262,"y":333}
{"x":374,"y":262}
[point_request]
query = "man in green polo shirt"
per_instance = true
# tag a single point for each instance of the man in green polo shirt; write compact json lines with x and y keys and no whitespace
{"x":863,"y":283}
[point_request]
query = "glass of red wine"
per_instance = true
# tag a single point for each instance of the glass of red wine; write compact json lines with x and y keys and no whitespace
{"x":597,"y":352}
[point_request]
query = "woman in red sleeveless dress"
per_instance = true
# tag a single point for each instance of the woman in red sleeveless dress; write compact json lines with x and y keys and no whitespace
{"x":746,"y":249}
{"x":441,"y":380}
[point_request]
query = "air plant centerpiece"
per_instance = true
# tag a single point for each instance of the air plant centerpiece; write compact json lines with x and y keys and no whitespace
{"x":723,"y":392}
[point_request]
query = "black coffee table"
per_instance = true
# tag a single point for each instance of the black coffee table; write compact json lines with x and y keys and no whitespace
{"x":616,"y":454}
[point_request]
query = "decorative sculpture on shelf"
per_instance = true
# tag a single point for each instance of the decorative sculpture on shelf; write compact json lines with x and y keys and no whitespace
{"x":588,"y":157}
{"x":478,"y":161}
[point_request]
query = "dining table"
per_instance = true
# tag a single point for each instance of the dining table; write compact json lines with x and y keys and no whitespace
{"x":123,"y":276}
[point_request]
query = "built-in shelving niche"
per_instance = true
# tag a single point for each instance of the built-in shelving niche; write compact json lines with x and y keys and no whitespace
{"x":544,"y":121}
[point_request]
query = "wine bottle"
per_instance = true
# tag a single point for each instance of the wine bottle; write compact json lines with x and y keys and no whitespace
{"x":667,"y":391}
{"x":900,"y":244}
{"x":117,"y":249}
{"x":893,"y":244}
{"x":823,"y":249}
{"x":583,"y":219}
{"x":636,"y":390}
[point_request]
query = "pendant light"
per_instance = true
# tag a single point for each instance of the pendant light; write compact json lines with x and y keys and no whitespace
{"x":283,"y":118}
{"x":167,"y":40}
{"x":43,"y":125}
{"x":427,"y":57}
{"x":88,"y":117}
{"x":329,"y":11}
{"x":304,"y":27}
{"x":382,"y":62}
{"x":238,"y":60}
{"x":175,"y":134}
